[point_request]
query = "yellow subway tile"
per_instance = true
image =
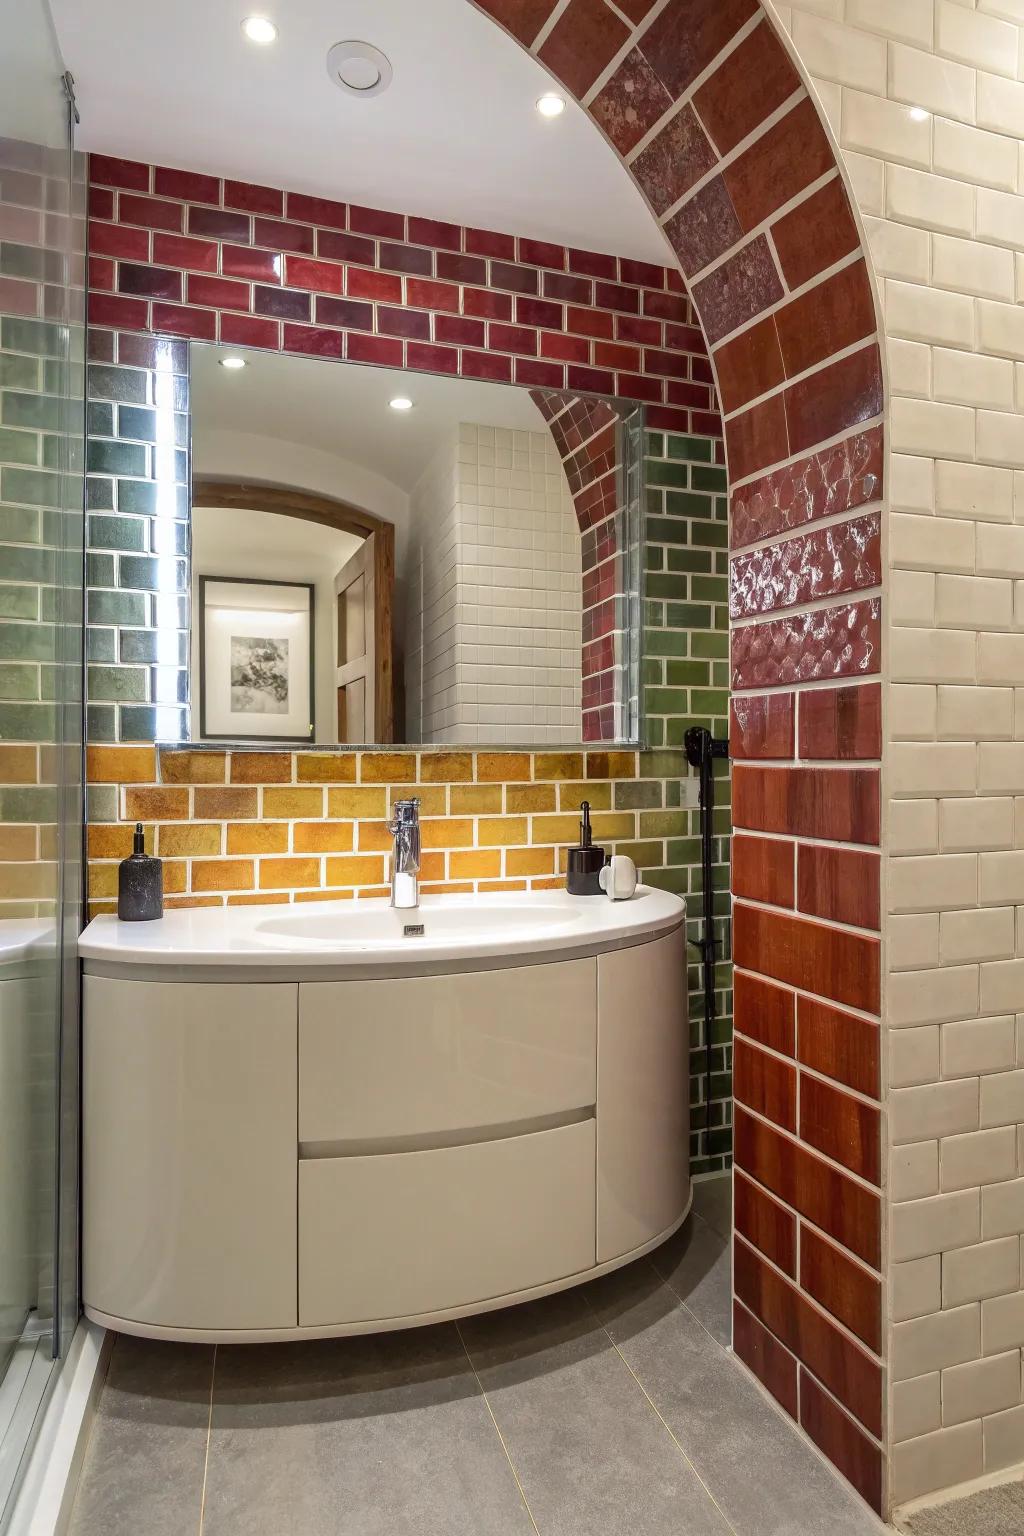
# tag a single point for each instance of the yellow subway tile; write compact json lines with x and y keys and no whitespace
{"x":355,"y":870}
{"x":49,"y":842}
{"x":433,"y":798}
{"x":503,"y":767}
{"x":257,"y":837}
{"x":325,"y":767}
{"x":284,"y":874}
{"x":554,"y":829}
{"x":374,"y":892}
{"x":386,"y":767}
{"x":102,"y":880}
{"x":529,"y":861}
{"x":447,"y":832}
{"x":260,"y":767}
{"x":19,"y":764}
{"x":30,"y":881}
{"x":547,"y":885}
{"x":475,"y":799}
{"x":178,"y":767}
{"x":223,"y":875}
{"x":502,"y":885}
{"x":175,"y":876}
{"x":113,"y":840}
{"x":323,"y":895}
{"x":194,"y":901}
{"x":258,"y":899}
{"x":432,"y":866}
{"x":611,"y":765}
{"x":192,"y":839}
{"x":374,"y":837}
{"x":572,"y":795}
{"x":499,"y":831}
{"x":558,"y":765}
{"x":291,"y":803}
{"x":228,"y":804}
{"x":156,"y":804}
{"x":355,"y":803}
{"x":475,"y":865}
{"x":93,"y":908}
{"x":525,"y":798}
{"x":449,"y":888}
{"x":21,"y":842}
{"x":120,"y":765}
{"x":321,"y":837}
{"x":610,"y":824}
{"x":446,"y":767}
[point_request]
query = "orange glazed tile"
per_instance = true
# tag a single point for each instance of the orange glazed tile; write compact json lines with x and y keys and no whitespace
{"x":449,"y":888}
{"x":110,"y":840}
{"x":120,"y":765}
{"x":19,"y":842}
{"x":102,"y":880}
{"x":223,"y":875}
{"x":561,"y":830}
{"x":558,"y":765}
{"x":765,"y":1084}
{"x":529,"y":861}
{"x":764,"y":1222}
{"x":507,"y":767}
{"x":502,"y":885}
{"x":325,"y":767}
{"x":283,"y":874}
{"x":527,"y":798}
{"x":373,"y":837}
{"x":156,"y":804}
{"x":611,"y":765}
{"x":479,"y":864}
{"x":433,"y":866}
{"x":191,"y":839}
{"x":175,"y":876}
{"x":260,"y":767}
{"x":845,"y":1129}
{"x":386,"y":767}
{"x":19,"y":765}
{"x":178,"y":767}
{"x":355,"y":870}
{"x":451,"y":832}
{"x":499,"y":831}
{"x":354,"y":803}
{"x":762,"y":1011}
{"x":257,"y":837}
{"x":446,"y":767}
{"x":844,"y":1288}
{"x":258,"y":899}
{"x":840,"y":1441}
{"x":433,"y":798}
{"x":839,"y":1045}
{"x":225,"y":804}
{"x":291,"y":803}
{"x":475,"y":799}
{"x":830,"y":962}
{"x":323,"y":895}
{"x":195,"y":901}
{"x":762,"y":1353}
{"x":572,"y":794}
{"x":322,"y":837}
{"x":763,"y":869}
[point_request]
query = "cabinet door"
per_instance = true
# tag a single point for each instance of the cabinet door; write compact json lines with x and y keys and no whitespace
{"x":189,"y":1153}
{"x":434,"y":1055}
{"x":643,"y":1094}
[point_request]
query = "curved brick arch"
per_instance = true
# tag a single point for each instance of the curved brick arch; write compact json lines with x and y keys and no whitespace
{"x":704,"y":105}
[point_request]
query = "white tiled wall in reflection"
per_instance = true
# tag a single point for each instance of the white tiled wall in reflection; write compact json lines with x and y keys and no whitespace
{"x":927,"y":100}
{"x":494,"y":635}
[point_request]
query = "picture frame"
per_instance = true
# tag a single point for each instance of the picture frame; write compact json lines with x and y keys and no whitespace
{"x":256,"y":659}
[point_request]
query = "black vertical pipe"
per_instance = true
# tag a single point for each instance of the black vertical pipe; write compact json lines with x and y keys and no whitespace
{"x":701,"y":750}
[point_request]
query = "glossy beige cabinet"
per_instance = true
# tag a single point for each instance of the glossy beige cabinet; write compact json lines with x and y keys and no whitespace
{"x":306,"y":1158}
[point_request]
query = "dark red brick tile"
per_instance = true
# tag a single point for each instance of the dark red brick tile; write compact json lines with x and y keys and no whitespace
{"x":149,"y":282}
{"x":564,"y":349}
{"x":249,"y":331}
{"x":675,"y":159}
{"x":512,"y":338}
{"x":636,"y":386}
{"x":317,"y":276}
{"x":485,"y":304}
{"x":666,"y":306}
{"x":762,"y":1353}
{"x":432,"y":359}
{"x":539,"y":312}
{"x":189,"y":186}
{"x":841,"y":1441}
{"x":617,"y":296}
{"x":816,"y":234}
{"x":844,"y":1288}
{"x":842,"y":724}
{"x":765,"y":1223}
{"x":374,"y":221}
{"x":808,"y":647}
{"x":383,"y":351}
{"x":644,"y":273}
{"x":313,"y":341}
{"x":830,"y":962}
{"x":839,"y":884}
{"x":631,"y":102}
{"x":763,"y":869}
{"x":542,"y":253}
{"x":761,"y":726}
{"x":101,"y":273}
{"x":112,"y":172}
{"x":845,"y":1129}
{"x":101,"y":203}
{"x":340,"y":247}
{"x":352,"y":314}
{"x":412,"y":323}
{"x":826,"y":319}
{"x":217,"y":292}
{"x":758,"y":437}
{"x":839,"y":1045}
{"x":460,"y":330}
{"x":589,"y":322}
{"x":281,"y":235}
{"x":749,"y":365}
{"x":565,"y":287}
{"x":424,"y":294}
{"x":322,"y":211}
{"x":583,"y":41}
{"x":257,"y":266}
{"x":748,"y":86}
{"x":180,"y":251}
{"x":118,"y":241}
{"x":435,"y":233}
{"x":219,"y":224}
{"x":739,"y":289}
{"x":705,"y":227}
{"x":455,"y":268}
{"x":281,"y":303}
{"x":152,"y":212}
{"x":765,"y":1012}
{"x":250,"y":198}
{"x":593,"y":264}
{"x":413,"y":259}
{"x":487,"y":242}
{"x":689,"y":35}
{"x":487,"y":365}
{"x":177,"y":320}
{"x":523,"y":18}
{"x":778,"y":165}
{"x":531,"y":371}
{"x":835,"y":804}
{"x":838,"y":479}
{"x":385,"y":287}
{"x":836,"y":397}
{"x":613,"y":354}
{"x":596,"y":381}
{"x":764,"y":1084}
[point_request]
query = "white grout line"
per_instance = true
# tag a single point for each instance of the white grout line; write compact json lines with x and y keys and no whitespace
{"x":209,"y":1433}
{"x":497,"y":1431}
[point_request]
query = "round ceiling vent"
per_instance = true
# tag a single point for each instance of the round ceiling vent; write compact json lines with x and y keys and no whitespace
{"x":359,"y":69}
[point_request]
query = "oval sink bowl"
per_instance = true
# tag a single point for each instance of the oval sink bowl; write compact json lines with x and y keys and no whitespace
{"x":388,"y":924}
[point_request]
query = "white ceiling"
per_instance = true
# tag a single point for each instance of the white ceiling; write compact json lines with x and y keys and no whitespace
{"x":344,"y":411}
{"x":456,"y":136}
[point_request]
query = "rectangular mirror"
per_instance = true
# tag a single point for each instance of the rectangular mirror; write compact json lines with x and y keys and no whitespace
{"x":384,"y":557}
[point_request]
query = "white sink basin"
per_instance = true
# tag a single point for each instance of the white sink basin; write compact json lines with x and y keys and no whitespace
{"x":386,"y":924}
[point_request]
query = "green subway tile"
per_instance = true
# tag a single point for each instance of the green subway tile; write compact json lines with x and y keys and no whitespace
{"x":101,"y":802}
{"x":686,"y":674}
{"x":123,"y":684}
{"x":654,"y":732}
{"x":100,"y":644}
{"x":19,"y":680}
{"x":654,"y":557}
{"x":707,"y":643}
{"x":117,"y":608}
{"x":709,"y":589}
{"x":99,"y":570}
{"x":35,"y":487}
{"x":663,"y":765}
{"x":689,"y":559}
{"x":115,"y":458}
{"x":26,"y":642}
{"x":152,"y":499}
{"x":651,"y":671}
{"x":681,"y":447}
{"x":636,"y":794}
{"x":107,"y":382}
{"x":43,"y":338}
{"x":668,"y":530}
{"x":664,"y":823}
{"x":19,"y":525}
{"x":688,"y":504}
{"x":18,"y":602}
{"x":26,"y":722}
{"x":654,"y":445}
{"x":19,"y":447}
{"x":53,"y":451}
{"x":692,"y":615}
{"x":18,"y":372}
{"x":709,"y":701}
{"x":708,"y":479}
{"x":100,"y":418}
{"x":28,"y":802}
{"x":667,"y":642}
{"x":685,"y":850}
{"x":645,"y":855}
{"x":705,"y":532}
{"x":667,"y":880}
{"x":667,"y":701}
{"x":661,"y":473}
{"x":99,"y":493}
{"x":101,"y":724}
{"x":126,"y":534}
{"x":41,"y":413}
{"x":28,"y":564}
{"x":151,"y":573}
{"x":668,"y":587}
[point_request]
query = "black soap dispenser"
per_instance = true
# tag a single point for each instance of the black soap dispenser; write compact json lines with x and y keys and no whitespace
{"x":140,"y":884}
{"x":585,"y":861}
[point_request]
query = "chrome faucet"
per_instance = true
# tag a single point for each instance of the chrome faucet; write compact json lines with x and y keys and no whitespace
{"x":404,"y":827}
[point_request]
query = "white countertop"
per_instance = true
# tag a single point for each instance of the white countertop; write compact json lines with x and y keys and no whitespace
{"x":368,"y":936}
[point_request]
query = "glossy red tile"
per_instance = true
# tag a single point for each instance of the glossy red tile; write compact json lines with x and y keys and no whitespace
{"x":111,"y":309}
{"x":838,"y":1438}
{"x":376,"y":222}
{"x":765,"y":1223}
{"x":432,"y":359}
{"x":763,"y":869}
{"x":764,"y":1084}
{"x":815,"y":957}
{"x":841,"y":723}
{"x":762,"y":1353}
{"x":749,"y":85}
{"x":688,"y":35}
{"x":396,"y":257}
{"x":840,"y":884}
{"x":749,"y":365}
{"x":845,"y":1129}
{"x":839,"y":1045}
{"x":423,"y":294}
{"x":589,"y":322}
{"x":152,"y":212}
{"x":487,"y":365}
{"x":336,"y":246}
{"x":313,"y":341}
{"x":593,"y":264}
{"x":250,"y":198}
{"x":765,"y":1012}
{"x":834,"y":480}
{"x":384,"y":351}
{"x":758,"y":437}
{"x":460,"y":331}
{"x":542,"y":253}
{"x":809,"y":647}
{"x":584,"y":40}
{"x":512,"y":338}
{"x":816,"y":234}
{"x":281,"y":235}
{"x":180,"y":251}
{"x":487,"y":242}
{"x":117,"y":240}
{"x":178,"y":320}
{"x":282,"y":303}
{"x":249,"y":331}
{"x":189,"y":186}
{"x":836,"y":397}
{"x":101,"y":203}
{"x":789,"y":156}
{"x":846,"y":1289}
{"x":258,"y":266}
{"x":762,"y":726}
{"x":826,"y":319}
{"x":317,"y":276}
{"x":567,"y":287}
{"x":836,"y":804}
{"x":317,"y":210}
{"x":517,"y":278}
{"x":538,"y":312}
{"x":218,"y":292}
{"x":845,"y":557}
{"x":220,"y":224}
{"x":413,"y":323}
{"x":352,"y":314}
{"x":529,"y":370}
{"x":101,"y":277}
{"x":385,"y":287}
{"x":488,"y":305}
{"x":109,"y":171}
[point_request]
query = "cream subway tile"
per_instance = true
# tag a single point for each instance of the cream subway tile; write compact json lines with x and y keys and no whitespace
{"x":1001,"y":220}
{"x":968,"y":266}
{"x":1000,"y":550}
{"x":867,"y":177}
{"x":973,"y":38}
{"x":933,"y":882}
{"x":935,"y":656}
{"x":984,"y":935}
{"x":910,"y":368}
{"x":916,"y":1407}
{"x":931,"y":315}
{"x":969,"y":154}
{"x":975,"y":714}
{"x":900,"y":250}
{"x":937,"y":768}
{"x":1002,"y":1209}
{"x":979,"y":1387}
{"x":1004,"y":1437}
{"x":933,"y":202}
{"x":916,"y":1288}
{"x":1001,"y":659}
{"x":885,"y":128}
{"x":1000,"y":438}
{"x":940,"y":1460}
{"x":1002,"y":986}
{"x":1002,"y":1098}
{"x":913,"y":598}
{"x":830,"y":95}
{"x":980,"y":1157}
{"x":914,"y":1175}
{"x":1000,"y":105}
{"x":977,"y":491}
{"x":922,"y":80}
{"x":1009,"y":10}
{"x":914,"y":706}
{"x":939,"y":1340}
{"x":912,"y":484}
{"x":913,"y":826}
{"x":1000,"y":767}
{"x":967,"y":378}
{"x":913,"y":1056}
{"x":911,"y":21}
{"x":1002,"y":1323}
{"x":931,"y":544}
{"x":913,"y":943}
{"x":1000,"y":328}
{"x":831,"y":51}
{"x":936,"y":997}
{"x":934,"y":1110}
{"x":973,"y":1047}
{"x":1001,"y":879}
{"x":1018,"y":267}
{"x":982,"y":1270}
{"x":973,"y":602}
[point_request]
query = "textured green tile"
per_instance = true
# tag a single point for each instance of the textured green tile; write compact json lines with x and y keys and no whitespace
{"x":18,"y":602}
{"x":117,"y":608}
{"x":41,"y":413}
{"x":708,"y":643}
{"x":711,"y":478}
{"x":663,"y":823}
{"x":715,"y":535}
{"x":43,"y":338}
{"x":26,"y":642}
{"x":152,"y":573}
{"x":680,"y":447}
{"x":99,"y":569}
{"x":709,"y":701}
{"x":101,"y":725}
{"x":668,"y":530}
{"x":118,"y":533}
{"x":108,"y":457}
{"x":28,"y":563}
{"x":27,"y":722}
{"x":662,"y":473}
{"x":668,"y":642}
{"x":633,"y":794}
{"x":100,"y":416}
{"x":107,"y":382}
{"x":667,"y":586}
{"x":31,"y":487}
{"x":118,"y":683}
{"x":19,"y":525}
{"x":18,"y":447}
{"x":18,"y":372}
{"x":19,"y":680}
{"x":101,"y":802}
{"x":100,"y":644}
{"x":689,"y":559}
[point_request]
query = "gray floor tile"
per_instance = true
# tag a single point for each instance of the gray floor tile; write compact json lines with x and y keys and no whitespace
{"x":697,"y":1263}
{"x":143,"y":1469}
{"x":357,"y":1437}
{"x":765,"y":1478}
{"x":712,"y":1201}
{"x":592,"y":1456}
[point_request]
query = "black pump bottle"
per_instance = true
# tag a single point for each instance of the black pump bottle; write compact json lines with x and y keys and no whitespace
{"x":140,"y":884}
{"x":585,"y":861}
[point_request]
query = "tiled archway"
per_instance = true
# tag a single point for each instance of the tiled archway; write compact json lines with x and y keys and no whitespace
{"x":701,"y":100}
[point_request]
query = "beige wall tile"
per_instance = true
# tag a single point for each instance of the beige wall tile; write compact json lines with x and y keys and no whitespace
{"x":939,"y":85}
{"x":928,"y":314}
{"x":977,"y":491}
{"x":970,"y":154}
{"x":977,"y":39}
{"x":913,"y":826}
{"x":1002,"y":1210}
{"x":935,"y":997}
{"x":980,"y":1157}
{"x":939,"y":1460}
{"x":913,"y":1056}
{"x":983,"y":823}
{"x":975,"y":714}
{"x":934,"y":1110}
{"x":913,"y":942}
{"x":973,"y":602}
{"x":980,"y":1386}
{"x":1002,"y":1323}
{"x":844,"y":54}
{"x":914,"y":1174}
{"x":976,"y":1046}
{"x":1004,"y":1439}
{"x":935,"y":1342}
{"x":1002,"y":1098}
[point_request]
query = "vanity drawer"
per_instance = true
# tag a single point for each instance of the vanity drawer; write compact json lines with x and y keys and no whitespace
{"x":434,"y":1055}
{"x":402,"y":1234}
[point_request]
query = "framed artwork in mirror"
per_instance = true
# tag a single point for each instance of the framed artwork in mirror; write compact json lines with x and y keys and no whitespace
{"x":256,"y":661}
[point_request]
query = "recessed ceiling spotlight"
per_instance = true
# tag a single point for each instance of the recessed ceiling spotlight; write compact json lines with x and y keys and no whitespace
{"x":551,"y":104}
{"x":359,"y":69}
{"x":258,"y":29}
{"x":232,"y":362}
{"x":400,"y":403}
{"x":919,"y":114}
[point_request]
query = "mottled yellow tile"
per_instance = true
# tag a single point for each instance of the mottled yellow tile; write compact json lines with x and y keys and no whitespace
{"x":120,"y":765}
{"x":228,"y":804}
{"x":260,"y":767}
{"x":30,"y":881}
{"x":502,"y":885}
{"x":433,"y":798}
{"x":499,"y":831}
{"x":194,"y":901}
{"x":523,"y":799}
{"x":325,"y":767}
{"x":386,"y":767}
{"x":446,"y":767}
{"x":19,"y":842}
{"x":257,"y":837}
{"x":152,"y":803}
{"x":113,"y":840}
{"x":572,"y":795}
{"x":611,"y":765}
{"x":447,"y":832}
{"x":355,"y":803}
{"x":356,"y":869}
{"x":322,"y":837}
{"x":374,"y":837}
{"x":324,"y":895}
{"x":449,"y":888}
{"x":555,"y":829}
{"x":20,"y":764}
{"x":175,"y":876}
{"x":189,"y":839}
{"x":258,"y":899}
{"x":529,"y":861}
{"x":475,"y":799}
{"x":188,"y":767}
{"x":611,"y":824}
{"x":558,"y":765}
{"x":287,"y":874}
{"x":503,"y":767}
{"x":223,"y":875}
{"x":102,"y":880}
{"x":293,"y":802}
{"x":478,"y":864}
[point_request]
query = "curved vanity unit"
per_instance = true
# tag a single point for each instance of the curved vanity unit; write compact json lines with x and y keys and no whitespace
{"x":303,"y":1121}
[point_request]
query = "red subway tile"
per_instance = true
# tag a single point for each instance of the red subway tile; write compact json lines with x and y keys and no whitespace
{"x":523,"y":18}
{"x":619,"y":296}
{"x":257,"y":266}
{"x":834,"y":480}
{"x":611,"y":354}
{"x":101,"y":203}
{"x":530,"y":371}
{"x":542,"y":253}
{"x":593,"y":263}
{"x":765,"y":1223}
{"x":582,"y":43}
{"x":280,"y":235}
{"x":220,"y":224}
{"x":395,"y":257}
{"x":486,"y":242}
{"x":674,"y":160}
{"x":836,"y":804}
{"x":762,"y":1353}
{"x":629,"y":105}
{"x":249,"y":331}
{"x":178,"y":320}
{"x":839,"y":884}
{"x":778,"y":165}
{"x":322,"y":211}
{"x":690,"y":34}
{"x":487,"y":365}
{"x":836,"y":397}
{"x":589,"y":322}
{"x":421,"y":292}
{"x":567,"y":288}
{"x":360,"y":283}
{"x":807,"y":647}
{"x":486,"y":304}
{"x":841,"y":1441}
{"x":844,"y":1288}
{"x":830,"y":962}
{"x":180,"y":251}
{"x":249,"y":198}
{"x":351,"y":314}
{"x":512,"y":338}
{"x":124,"y":314}
{"x":764,"y":1084}
{"x":318,"y":276}
{"x":539,"y":312}
{"x":765,"y":1012}
{"x":341,"y":247}
{"x":763,"y":869}
{"x":101,"y":277}
{"x":644,"y":273}
{"x":748,"y":86}
{"x":744,"y":285}
{"x":511,"y":275}
{"x":281,"y":303}
{"x":413,"y":323}
{"x":443,"y":237}
{"x":432,"y":359}
{"x":826,"y":319}
{"x":152,"y":212}
{"x":313,"y":341}
{"x":637,"y":386}
{"x":118,"y":240}
{"x":596,"y":381}
{"x":665,"y":418}
{"x":372,"y":221}
{"x":564,"y":349}
{"x":843,"y":724}
{"x":749,"y":365}
{"x":453,"y":267}
{"x":665,"y":306}
{"x":384,"y":351}
{"x":845,"y":1129}
{"x":758,"y":437}
{"x":460,"y":330}
{"x":839,"y":1045}
{"x":815,"y":234}
{"x":636,"y":10}
{"x":189,"y":186}
{"x":761,"y":726}
{"x":112,"y":172}
{"x":217,"y":292}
